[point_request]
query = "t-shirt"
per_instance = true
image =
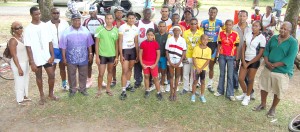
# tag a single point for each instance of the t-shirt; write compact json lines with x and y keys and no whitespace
{"x":191,"y":40}
{"x":143,"y":30}
{"x":255,"y":17}
{"x":37,"y":37}
{"x":56,"y":32}
{"x":254,"y":45}
{"x":115,"y":23}
{"x":129,"y":33}
{"x":286,"y":53}
{"x":228,"y":44}
{"x":186,"y":26}
{"x":168,"y":22}
{"x":201,"y":56}
{"x":161,"y":40}
{"x":92,"y":24}
{"x":242,"y":34}
{"x":149,"y":51}
{"x":175,"y":48}
{"x":212,"y":29}
{"x":107,"y":44}
{"x":278,"y":4}
{"x":76,"y":43}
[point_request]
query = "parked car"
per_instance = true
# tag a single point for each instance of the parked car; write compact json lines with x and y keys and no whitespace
{"x":59,"y":2}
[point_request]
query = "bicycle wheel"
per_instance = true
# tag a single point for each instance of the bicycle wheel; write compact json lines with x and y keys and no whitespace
{"x":5,"y":70}
{"x":277,"y":26}
{"x":294,"y":125}
{"x":195,"y":11}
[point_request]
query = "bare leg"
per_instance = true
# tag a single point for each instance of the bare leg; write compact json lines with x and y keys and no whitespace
{"x":101,"y":69}
{"x":39,"y":82}
{"x":124,"y":73}
{"x":251,"y":76}
{"x":177,"y":75}
{"x":110,"y":68}
{"x":242,"y":76}
{"x":146,"y":81}
{"x":211,"y":69}
{"x":51,"y":80}
{"x":171,"y":78}
{"x":62,"y":70}
{"x":156,"y":83}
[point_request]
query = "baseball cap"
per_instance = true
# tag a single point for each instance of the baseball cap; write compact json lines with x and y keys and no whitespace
{"x":119,"y":8}
{"x":256,"y":8}
{"x":93,"y":8}
{"x":76,"y":16}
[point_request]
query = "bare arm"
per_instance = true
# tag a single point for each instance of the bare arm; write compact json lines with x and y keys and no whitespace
{"x":121,"y":47}
{"x":51,"y":50}
{"x":97,"y":41}
{"x":31,"y":60}
{"x":136,"y":48}
{"x":12,"y":44}
{"x":117,"y":53}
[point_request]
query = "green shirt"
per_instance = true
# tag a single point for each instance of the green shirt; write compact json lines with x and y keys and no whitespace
{"x":286,"y":53}
{"x":107,"y":41}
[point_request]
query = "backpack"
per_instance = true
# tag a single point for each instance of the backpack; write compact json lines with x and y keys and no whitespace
{"x":6,"y":52}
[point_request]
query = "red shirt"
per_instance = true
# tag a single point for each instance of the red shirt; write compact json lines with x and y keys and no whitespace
{"x":149,"y":51}
{"x":115,"y":23}
{"x":228,"y":43}
{"x":255,"y":17}
{"x":183,"y":23}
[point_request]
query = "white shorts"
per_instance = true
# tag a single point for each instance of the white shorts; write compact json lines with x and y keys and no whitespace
{"x":175,"y":61}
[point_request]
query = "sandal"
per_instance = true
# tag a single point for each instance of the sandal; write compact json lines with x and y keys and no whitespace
{"x":53,"y":98}
{"x":109,"y":93}
{"x":42,"y":101}
{"x":26,"y":99}
{"x":271,"y":113}
{"x":258,"y":108}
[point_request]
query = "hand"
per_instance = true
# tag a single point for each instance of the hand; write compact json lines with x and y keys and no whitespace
{"x":153,"y":66}
{"x":50,"y":61}
{"x":144,"y":66}
{"x":245,"y":65}
{"x":270,"y":66}
{"x":199,"y":70}
{"x":98,"y":60}
{"x":90,"y":57}
{"x":20,"y":71}
{"x":137,"y":59}
{"x":33,"y":67}
{"x":116,"y":62}
{"x":122,"y":59}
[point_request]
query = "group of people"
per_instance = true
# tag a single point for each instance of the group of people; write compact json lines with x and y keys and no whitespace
{"x":165,"y":51}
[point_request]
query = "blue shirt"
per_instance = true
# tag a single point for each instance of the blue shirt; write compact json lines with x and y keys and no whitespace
{"x":76,"y":43}
{"x":279,"y":4}
{"x":212,"y":29}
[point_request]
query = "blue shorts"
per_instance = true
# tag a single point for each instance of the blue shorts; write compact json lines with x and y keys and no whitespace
{"x":162,"y":63}
{"x":57,"y":54}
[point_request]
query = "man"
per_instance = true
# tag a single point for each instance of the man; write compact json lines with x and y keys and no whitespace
{"x":278,"y":5}
{"x":72,"y":7}
{"x":142,"y":25}
{"x":76,"y":43}
{"x":175,"y":21}
{"x":212,"y":27}
{"x":188,"y":15}
{"x":106,"y":51}
{"x":242,"y":28}
{"x":256,"y":15}
{"x":92,"y":24}
{"x":164,"y":16}
{"x":40,"y":52}
{"x":56,"y":27}
{"x":279,"y":56}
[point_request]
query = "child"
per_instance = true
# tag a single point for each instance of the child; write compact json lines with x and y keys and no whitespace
{"x":149,"y":55}
{"x":201,"y":57}
{"x":175,"y":52}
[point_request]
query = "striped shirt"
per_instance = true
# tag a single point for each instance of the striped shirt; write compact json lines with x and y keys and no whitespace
{"x":175,"y":48}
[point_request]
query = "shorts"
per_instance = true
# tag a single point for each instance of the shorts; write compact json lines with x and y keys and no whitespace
{"x":213,"y":46}
{"x":106,"y":60}
{"x":129,"y":54}
{"x":153,"y":72}
{"x":45,"y":65}
{"x":174,"y":61}
{"x":254,"y":65}
{"x":57,"y":55}
{"x":162,"y":63}
{"x":273,"y":82}
{"x":201,"y":75}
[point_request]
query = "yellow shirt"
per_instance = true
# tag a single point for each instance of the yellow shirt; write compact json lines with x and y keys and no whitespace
{"x":192,"y":40}
{"x":201,"y":56}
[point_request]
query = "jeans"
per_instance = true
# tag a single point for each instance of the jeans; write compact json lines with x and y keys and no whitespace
{"x":223,"y":60}
{"x":236,"y":75}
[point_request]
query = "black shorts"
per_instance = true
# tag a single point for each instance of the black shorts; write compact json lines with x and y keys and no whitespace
{"x":213,"y":46}
{"x":254,"y":65}
{"x":201,"y":75}
{"x":45,"y":65}
{"x":106,"y":60}
{"x":129,"y":54}
{"x":94,"y":45}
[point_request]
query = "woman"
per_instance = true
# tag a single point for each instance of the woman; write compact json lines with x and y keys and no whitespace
{"x":252,"y":51}
{"x":19,"y":63}
{"x":268,"y":21}
{"x":227,"y":47}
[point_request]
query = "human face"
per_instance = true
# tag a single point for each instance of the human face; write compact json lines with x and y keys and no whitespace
{"x":162,"y":28}
{"x":93,"y":14}
{"x":194,"y":25}
{"x":147,"y":14}
{"x":256,"y":27}
{"x":150,"y":36}
{"x":36,"y":15}
{"x":268,"y":10}
{"x":187,"y":16}
{"x":204,"y":40}
{"x":109,"y":20}
{"x":131,"y":20}
{"x":242,"y":17}
{"x":212,"y":14}
{"x":176,"y":32}
{"x":55,"y":14}
{"x":17,"y":28}
{"x":285,"y":30}
{"x":119,"y":15}
{"x":175,"y":19}
{"x":76,"y":23}
{"x":164,"y":12}
{"x":228,"y":25}
{"x":257,"y":12}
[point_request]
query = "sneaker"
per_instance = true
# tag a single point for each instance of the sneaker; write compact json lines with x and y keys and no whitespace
{"x":246,"y":100}
{"x":104,"y":84}
{"x":210,"y":89}
{"x":202,"y":99}
{"x":193,"y":98}
{"x":232,"y":98}
{"x":198,"y":85}
{"x":129,"y":87}
{"x":168,"y":88}
{"x":166,"y":82}
{"x":162,"y":89}
{"x":123,"y":95}
{"x":147,"y":94}
{"x":65,"y":87}
{"x":183,"y":92}
{"x":252,"y":96}
{"x":217,"y":94}
{"x":152,"y":88}
{"x":159,"y":96}
{"x":84,"y":93}
{"x":240,"y":97}
{"x":137,"y":85}
{"x":89,"y":83}
{"x":113,"y":83}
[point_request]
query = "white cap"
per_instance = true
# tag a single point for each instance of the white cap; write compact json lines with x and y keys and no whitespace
{"x":256,"y":8}
{"x":93,"y":8}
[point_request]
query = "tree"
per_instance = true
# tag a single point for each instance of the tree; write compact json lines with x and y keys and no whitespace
{"x":255,"y":3}
{"x":45,"y":8}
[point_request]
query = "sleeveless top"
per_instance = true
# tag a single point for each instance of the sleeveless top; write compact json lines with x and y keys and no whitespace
{"x":267,"y":20}
{"x":143,"y":29}
{"x":21,"y":52}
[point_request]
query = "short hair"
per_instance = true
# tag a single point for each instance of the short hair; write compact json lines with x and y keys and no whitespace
{"x":160,"y":22}
{"x":146,"y":9}
{"x":260,"y":24}
{"x":175,"y":14}
{"x":150,"y":30}
{"x":165,"y":6}
{"x":229,"y":20}
{"x":33,"y":9}
{"x":194,"y":19}
{"x":202,"y":36}
{"x":54,"y":8}
{"x":269,"y":7}
{"x":130,"y":14}
{"x":108,"y":14}
{"x":213,"y":8}
{"x":241,"y":11}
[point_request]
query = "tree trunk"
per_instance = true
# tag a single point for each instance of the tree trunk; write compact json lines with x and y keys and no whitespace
{"x":5,"y":1}
{"x":45,"y":8}
{"x":255,"y":3}
{"x":292,"y":13}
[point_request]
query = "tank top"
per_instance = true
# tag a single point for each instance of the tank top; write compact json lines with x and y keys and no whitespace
{"x":21,"y":52}
{"x":267,"y":20}
{"x":143,"y":30}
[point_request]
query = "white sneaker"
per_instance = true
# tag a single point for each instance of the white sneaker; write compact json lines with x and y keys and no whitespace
{"x":217,"y":94}
{"x":162,"y":89}
{"x":152,"y":88}
{"x":232,"y":98}
{"x":240,"y":97}
{"x":89,"y":82}
{"x":252,"y":96}
{"x":166,"y":82}
{"x":168,"y":88}
{"x":104,"y":84}
{"x":246,"y":100}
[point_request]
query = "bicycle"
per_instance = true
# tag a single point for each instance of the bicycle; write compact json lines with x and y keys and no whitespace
{"x":195,"y":6}
{"x":180,"y":7}
{"x":294,"y":125}
{"x":278,"y":21}
{"x":5,"y":69}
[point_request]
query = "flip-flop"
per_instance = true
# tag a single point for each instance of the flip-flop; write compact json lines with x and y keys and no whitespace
{"x":54,"y":98}
{"x":98,"y":94}
{"x":258,"y":108}
{"x":109,"y":93}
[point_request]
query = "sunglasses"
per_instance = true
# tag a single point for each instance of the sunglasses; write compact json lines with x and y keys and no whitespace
{"x":19,"y":28}
{"x":194,"y":23}
{"x":55,"y":13}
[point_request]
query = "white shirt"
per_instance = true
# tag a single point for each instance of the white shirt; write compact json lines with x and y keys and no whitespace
{"x":142,"y":30}
{"x":168,"y":22}
{"x":175,"y":48}
{"x":37,"y":37}
{"x":56,"y":32}
{"x":267,"y":20}
{"x":253,"y":46}
{"x":129,"y":33}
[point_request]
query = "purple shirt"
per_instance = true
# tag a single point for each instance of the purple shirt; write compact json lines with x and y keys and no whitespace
{"x":76,"y":43}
